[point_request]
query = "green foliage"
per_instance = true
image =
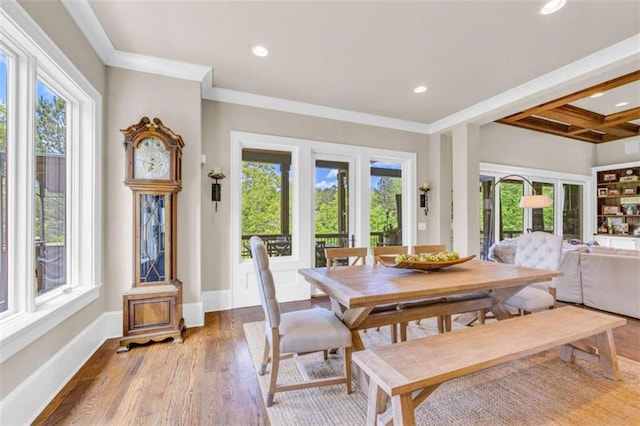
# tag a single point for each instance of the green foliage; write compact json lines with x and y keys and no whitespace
{"x":383,"y":203}
{"x":260,"y":199}
{"x":51,"y":137}
{"x":327,"y":211}
{"x":512,"y":215}
{"x":51,"y":127}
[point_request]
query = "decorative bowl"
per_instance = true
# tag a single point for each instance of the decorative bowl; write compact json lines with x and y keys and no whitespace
{"x":423,"y":266}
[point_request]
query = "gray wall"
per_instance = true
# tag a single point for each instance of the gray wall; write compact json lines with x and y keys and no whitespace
{"x":132,"y":95}
{"x":622,"y":151}
{"x":502,"y":144}
{"x":219,"y":119}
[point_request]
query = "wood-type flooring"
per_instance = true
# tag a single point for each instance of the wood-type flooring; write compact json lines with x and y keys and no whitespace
{"x":209,"y":377}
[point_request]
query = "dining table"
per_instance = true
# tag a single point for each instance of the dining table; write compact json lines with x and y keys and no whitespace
{"x":355,"y":291}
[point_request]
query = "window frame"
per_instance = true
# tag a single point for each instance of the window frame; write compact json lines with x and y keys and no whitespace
{"x":32,"y":56}
{"x":558,"y":179}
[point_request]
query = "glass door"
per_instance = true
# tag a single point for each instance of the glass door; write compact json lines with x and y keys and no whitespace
{"x":511,"y":216}
{"x":266,"y":200}
{"x":572,"y":211}
{"x":332,"y":207}
{"x":301,"y":196}
{"x":543,"y":219}
{"x":385,"y":203}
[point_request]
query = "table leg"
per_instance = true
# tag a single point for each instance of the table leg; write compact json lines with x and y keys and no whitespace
{"x":607,"y":355}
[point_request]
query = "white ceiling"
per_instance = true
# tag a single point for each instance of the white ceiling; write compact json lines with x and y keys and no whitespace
{"x":367,"y":57}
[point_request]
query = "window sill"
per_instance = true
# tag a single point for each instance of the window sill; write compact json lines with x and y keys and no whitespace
{"x":20,"y":330}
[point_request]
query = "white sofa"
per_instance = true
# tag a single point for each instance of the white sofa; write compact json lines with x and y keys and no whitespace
{"x":599,"y":277}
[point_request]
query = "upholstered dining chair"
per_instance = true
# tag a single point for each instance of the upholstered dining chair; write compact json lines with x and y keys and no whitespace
{"x":296,"y":333}
{"x":537,"y":250}
{"x":433,"y":248}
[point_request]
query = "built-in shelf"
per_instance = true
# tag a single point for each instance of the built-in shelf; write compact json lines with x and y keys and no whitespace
{"x":617,"y":223}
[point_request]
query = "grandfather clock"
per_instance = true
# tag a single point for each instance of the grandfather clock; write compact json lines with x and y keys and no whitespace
{"x":152,"y":308}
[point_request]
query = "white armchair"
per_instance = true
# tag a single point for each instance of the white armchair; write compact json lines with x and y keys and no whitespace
{"x":543,"y":251}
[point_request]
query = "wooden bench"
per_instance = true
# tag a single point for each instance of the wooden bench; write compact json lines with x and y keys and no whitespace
{"x":409,"y":372}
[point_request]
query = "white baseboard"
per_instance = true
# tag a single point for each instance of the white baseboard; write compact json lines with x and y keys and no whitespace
{"x":193,"y":314}
{"x":28,"y":400}
{"x":219,"y":300}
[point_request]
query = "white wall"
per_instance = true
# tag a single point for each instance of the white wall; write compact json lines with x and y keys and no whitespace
{"x":623,"y":151}
{"x":502,"y":144}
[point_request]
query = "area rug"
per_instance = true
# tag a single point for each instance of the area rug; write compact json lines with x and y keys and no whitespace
{"x":537,"y":390}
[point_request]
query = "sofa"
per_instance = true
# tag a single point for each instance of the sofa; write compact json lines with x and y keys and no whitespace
{"x":604,"y":278}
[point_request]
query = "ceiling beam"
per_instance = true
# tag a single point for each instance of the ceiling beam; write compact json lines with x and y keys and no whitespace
{"x":602,"y":87}
{"x":553,"y":128}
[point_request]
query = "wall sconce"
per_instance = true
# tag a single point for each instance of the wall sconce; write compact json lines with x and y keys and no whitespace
{"x":424,"y":197}
{"x":216,"y":193}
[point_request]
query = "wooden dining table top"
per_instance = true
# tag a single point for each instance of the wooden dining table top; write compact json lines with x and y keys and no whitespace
{"x":370,"y":285}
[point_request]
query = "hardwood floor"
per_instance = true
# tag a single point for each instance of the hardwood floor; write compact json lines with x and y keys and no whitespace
{"x":207,"y":380}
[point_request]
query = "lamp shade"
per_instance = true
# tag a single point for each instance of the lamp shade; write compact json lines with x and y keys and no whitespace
{"x":535,"y":201}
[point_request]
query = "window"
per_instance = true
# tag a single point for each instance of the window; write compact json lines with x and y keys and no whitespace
{"x":49,"y":185}
{"x":3,"y":182}
{"x":266,"y":200}
{"x":50,"y":189}
{"x":566,"y":215}
{"x":386,"y":203}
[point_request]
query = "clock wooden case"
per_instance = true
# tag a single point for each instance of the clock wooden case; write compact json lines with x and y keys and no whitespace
{"x":152,"y":308}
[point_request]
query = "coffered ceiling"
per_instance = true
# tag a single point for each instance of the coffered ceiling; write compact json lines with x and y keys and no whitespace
{"x":606,"y":112}
{"x":481,"y":60}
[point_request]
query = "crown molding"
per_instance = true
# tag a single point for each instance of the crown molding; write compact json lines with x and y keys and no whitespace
{"x":91,"y":27}
{"x":617,"y":55}
{"x":279,"y":104}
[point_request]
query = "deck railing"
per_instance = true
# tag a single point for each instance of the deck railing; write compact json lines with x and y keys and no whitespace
{"x":280,"y":245}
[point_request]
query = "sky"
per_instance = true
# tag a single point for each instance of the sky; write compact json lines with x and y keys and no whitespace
{"x":326,"y":178}
{"x":41,"y":89}
{"x":3,"y":78}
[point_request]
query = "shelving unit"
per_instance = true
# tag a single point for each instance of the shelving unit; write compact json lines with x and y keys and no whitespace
{"x":617,"y":202}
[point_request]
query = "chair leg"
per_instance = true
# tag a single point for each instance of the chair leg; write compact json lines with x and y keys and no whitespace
{"x":265,"y":357}
{"x":325,"y":354}
{"x":347,"y":367}
{"x":275,"y":365}
{"x":481,"y":316}
{"x":441,"y":324}
{"x":394,"y":334}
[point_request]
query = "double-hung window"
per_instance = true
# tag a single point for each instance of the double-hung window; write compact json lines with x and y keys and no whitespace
{"x":49,"y":184}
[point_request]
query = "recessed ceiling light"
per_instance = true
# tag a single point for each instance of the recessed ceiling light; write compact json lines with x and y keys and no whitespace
{"x":260,"y":51}
{"x":597,"y":95}
{"x":552,"y":7}
{"x":420,"y":89}
{"x":621,"y":104}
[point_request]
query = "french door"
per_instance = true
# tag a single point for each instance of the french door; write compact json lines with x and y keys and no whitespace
{"x":302,"y":196}
{"x":502,"y":218}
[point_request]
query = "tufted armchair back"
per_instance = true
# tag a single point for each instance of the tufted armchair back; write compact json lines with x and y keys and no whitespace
{"x":266,"y":286}
{"x":539,"y":250}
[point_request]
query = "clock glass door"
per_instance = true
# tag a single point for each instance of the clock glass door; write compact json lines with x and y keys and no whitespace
{"x":152,"y":260}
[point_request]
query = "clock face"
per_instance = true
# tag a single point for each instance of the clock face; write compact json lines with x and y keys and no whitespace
{"x":151,"y":160}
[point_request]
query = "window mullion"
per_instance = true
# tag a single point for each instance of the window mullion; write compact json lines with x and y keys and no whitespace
{"x":21,"y":171}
